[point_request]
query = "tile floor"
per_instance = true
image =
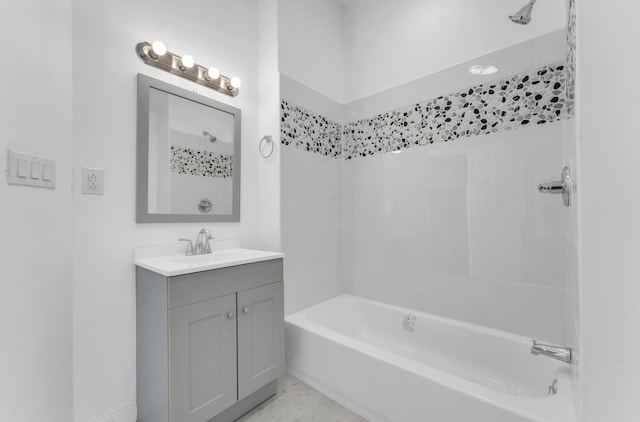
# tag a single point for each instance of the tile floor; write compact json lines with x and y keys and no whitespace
{"x":298,"y":402}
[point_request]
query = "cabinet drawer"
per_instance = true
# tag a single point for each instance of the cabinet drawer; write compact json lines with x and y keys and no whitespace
{"x":198,"y":287}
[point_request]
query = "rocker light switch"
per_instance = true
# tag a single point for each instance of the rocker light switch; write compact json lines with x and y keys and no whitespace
{"x":36,"y":170}
{"x":47,"y":172}
{"x":23,"y":166}
{"x":30,"y":170}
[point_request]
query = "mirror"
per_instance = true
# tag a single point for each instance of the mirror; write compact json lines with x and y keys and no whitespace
{"x":188,"y":156}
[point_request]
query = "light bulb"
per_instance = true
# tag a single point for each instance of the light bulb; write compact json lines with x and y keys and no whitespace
{"x":236,"y":82}
{"x":187,"y":61}
{"x":213,"y":73}
{"x":159,"y":48}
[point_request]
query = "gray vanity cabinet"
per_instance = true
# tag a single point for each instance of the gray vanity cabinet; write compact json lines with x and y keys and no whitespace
{"x":202,"y":358}
{"x":210,"y":344}
{"x":260,"y":337}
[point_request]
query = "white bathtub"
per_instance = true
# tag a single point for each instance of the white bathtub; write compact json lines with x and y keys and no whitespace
{"x":360,"y":353}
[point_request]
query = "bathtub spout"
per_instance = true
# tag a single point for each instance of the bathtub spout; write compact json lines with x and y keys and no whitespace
{"x":557,"y":352}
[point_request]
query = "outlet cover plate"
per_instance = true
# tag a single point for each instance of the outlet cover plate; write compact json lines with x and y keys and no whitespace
{"x":92,"y":181}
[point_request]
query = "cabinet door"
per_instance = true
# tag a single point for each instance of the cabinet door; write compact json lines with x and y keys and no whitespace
{"x":260,"y":337}
{"x":202,"y":359}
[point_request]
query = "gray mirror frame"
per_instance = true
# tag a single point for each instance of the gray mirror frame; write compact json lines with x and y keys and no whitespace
{"x":142,"y":187}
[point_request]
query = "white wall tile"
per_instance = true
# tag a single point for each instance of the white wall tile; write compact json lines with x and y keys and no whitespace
{"x":447,"y":208}
{"x":313,"y":266}
{"x":445,"y":251}
{"x":304,"y":209}
{"x":523,"y":309}
{"x":365,"y":246}
{"x":306,"y":287}
{"x":304,"y":170}
{"x":466,"y":211}
{"x":372,"y":210}
{"x":407,"y":211}
{"x":516,"y":255}
{"x":363,"y":175}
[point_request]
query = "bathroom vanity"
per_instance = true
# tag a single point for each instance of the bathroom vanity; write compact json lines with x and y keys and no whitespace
{"x":210,"y":334}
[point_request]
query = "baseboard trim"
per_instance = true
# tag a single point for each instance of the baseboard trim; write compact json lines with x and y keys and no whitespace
{"x":126,"y":414}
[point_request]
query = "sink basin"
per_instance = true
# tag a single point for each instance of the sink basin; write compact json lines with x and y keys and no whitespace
{"x":179,"y":264}
{"x":214,"y":257}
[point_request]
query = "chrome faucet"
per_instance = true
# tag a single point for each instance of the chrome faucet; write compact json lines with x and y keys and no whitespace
{"x":202,"y":242}
{"x":557,"y":352}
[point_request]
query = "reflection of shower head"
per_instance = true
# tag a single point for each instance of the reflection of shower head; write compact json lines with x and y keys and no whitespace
{"x":210,"y":136}
{"x":523,"y":16}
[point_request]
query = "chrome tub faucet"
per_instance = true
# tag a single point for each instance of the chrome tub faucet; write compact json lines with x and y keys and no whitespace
{"x":556,"y":352}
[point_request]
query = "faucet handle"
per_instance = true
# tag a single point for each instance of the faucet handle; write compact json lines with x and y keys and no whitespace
{"x":189,"y":246}
{"x":207,"y":246}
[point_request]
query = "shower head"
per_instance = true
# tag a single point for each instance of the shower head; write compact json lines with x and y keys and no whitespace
{"x":523,"y":16}
{"x":212,"y":138}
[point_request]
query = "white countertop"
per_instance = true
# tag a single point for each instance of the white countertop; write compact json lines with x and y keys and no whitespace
{"x":173,"y":265}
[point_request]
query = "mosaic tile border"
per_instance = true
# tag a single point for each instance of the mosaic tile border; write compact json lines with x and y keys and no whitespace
{"x":303,"y":129}
{"x":528,"y":98}
{"x":571,"y":56}
{"x":534,"y":97}
{"x":200,"y":163}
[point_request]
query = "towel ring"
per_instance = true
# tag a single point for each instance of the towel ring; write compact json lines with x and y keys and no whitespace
{"x":268,"y":140}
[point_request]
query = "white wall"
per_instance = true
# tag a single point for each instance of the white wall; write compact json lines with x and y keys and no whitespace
{"x":105,"y":68}
{"x":36,"y":225}
{"x":269,"y":221}
{"x":389,"y":43}
{"x":609,"y":191}
{"x":311,"y":43}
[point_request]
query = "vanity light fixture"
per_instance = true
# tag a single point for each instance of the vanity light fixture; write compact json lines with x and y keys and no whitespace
{"x":156,"y":54}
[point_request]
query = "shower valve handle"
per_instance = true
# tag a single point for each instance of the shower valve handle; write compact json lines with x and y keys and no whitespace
{"x":563,"y":186}
{"x":551,"y":187}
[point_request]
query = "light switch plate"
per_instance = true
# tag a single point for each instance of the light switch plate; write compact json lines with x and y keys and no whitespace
{"x":29,"y":170}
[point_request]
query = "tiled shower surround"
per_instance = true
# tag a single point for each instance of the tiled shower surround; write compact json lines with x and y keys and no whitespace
{"x":195,"y":162}
{"x":529,"y":98}
{"x":453,"y":224}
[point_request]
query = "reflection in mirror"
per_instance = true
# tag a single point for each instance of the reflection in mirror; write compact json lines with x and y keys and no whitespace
{"x":189,"y":156}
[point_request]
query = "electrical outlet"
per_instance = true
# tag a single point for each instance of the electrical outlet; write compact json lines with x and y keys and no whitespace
{"x":92,"y":181}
